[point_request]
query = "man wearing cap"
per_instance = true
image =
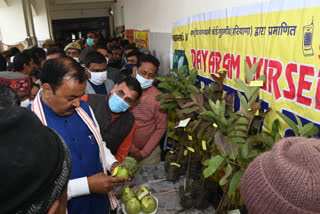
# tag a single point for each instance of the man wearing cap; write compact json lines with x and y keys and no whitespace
{"x":73,"y":50}
{"x":36,"y":165}
{"x":58,"y":106}
{"x":96,"y":69}
{"x":20,"y":83}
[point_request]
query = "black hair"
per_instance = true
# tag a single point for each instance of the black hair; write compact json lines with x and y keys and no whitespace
{"x":132,"y":84}
{"x":115,"y":47}
{"x":55,"y":50}
{"x":130,"y":46}
{"x":124,"y":43}
{"x":3,"y":63}
{"x":21,"y":59}
{"x":39,"y":53}
{"x":32,"y":54}
{"x":54,"y":71}
{"x":135,"y":52}
{"x":94,"y":57}
{"x":148,"y":58}
{"x":8,"y":97}
{"x":34,"y":84}
{"x":104,"y":47}
{"x":95,"y":33}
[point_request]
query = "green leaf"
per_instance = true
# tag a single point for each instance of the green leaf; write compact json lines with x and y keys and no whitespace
{"x":213,"y":107}
{"x":244,"y":150}
{"x":275,"y":127}
{"x":177,"y":94}
{"x":214,"y":163}
{"x":252,"y":71}
{"x":253,"y":99}
{"x":165,"y":85}
{"x":299,"y":123}
{"x":243,"y":101}
{"x":243,"y":86}
{"x":247,"y":71}
{"x":253,"y":154}
{"x":223,"y":180}
{"x":170,"y":105}
{"x":190,"y":110}
{"x":309,"y":130}
{"x":235,"y":182}
{"x":290,"y":123}
{"x":238,"y":139}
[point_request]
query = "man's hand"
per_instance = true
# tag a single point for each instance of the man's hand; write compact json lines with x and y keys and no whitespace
{"x":114,"y":166}
{"x":101,"y":183}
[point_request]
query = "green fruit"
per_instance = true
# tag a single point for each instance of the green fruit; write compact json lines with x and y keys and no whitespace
{"x":141,"y":192}
{"x":148,"y":204}
{"x":127,"y":194}
{"x":133,"y":206}
{"x":121,"y":172}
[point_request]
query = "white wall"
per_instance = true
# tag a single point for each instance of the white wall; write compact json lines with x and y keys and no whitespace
{"x":40,"y":20}
{"x":158,"y":15}
{"x":12,"y":24}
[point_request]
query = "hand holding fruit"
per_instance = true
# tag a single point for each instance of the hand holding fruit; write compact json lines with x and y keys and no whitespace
{"x":101,"y":183}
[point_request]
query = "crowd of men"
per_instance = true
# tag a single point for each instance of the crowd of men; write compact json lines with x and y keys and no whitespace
{"x":97,"y":100}
{"x":69,"y":117}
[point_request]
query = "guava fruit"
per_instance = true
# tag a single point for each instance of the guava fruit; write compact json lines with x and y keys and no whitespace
{"x":127,"y":194}
{"x":141,"y":192}
{"x":148,"y":204}
{"x":133,"y":206}
{"x":120,"y":172}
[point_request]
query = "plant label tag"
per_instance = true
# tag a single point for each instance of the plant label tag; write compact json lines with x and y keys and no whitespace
{"x":204,"y":145}
{"x":258,"y":83}
{"x":189,"y":137}
{"x":234,"y":212}
{"x":115,"y":171}
{"x":215,"y":125}
{"x":185,"y":153}
{"x":190,"y":149}
{"x":175,"y":164}
{"x":171,"y":152}
{"x":183,"y":123}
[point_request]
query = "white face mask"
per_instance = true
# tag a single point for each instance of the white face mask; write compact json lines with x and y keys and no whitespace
{"x":145,"y":83}
{"x":98,"y":78}
{"x":77,"y":59}
{"x":25,"y":103}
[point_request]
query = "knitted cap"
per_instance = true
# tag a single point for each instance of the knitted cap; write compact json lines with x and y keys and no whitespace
{"x":285,"y":180}
{"x":35,"y":163}
{"x":15,"y":80}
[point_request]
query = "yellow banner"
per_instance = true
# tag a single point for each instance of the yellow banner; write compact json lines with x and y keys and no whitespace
{"x":285,"y":41}
{"x":141,"y":38}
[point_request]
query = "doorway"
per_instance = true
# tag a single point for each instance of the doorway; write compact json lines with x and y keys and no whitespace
{"x":69,"y":30}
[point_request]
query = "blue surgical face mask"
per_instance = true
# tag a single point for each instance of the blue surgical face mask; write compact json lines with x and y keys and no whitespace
{"x":90,"y":41}
{"x":145,"y":83}
{"x":117,"y":104}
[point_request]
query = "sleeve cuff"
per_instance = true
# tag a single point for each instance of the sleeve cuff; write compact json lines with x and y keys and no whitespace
{"x":78,"y":187}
